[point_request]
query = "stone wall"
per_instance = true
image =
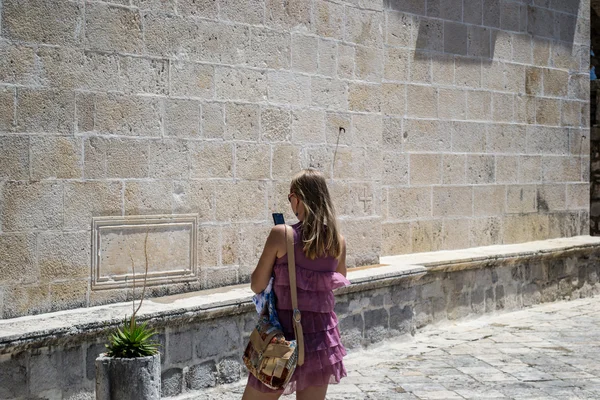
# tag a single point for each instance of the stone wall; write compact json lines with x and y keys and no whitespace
{"x":442,"y":124}
{"x":202,"y":348}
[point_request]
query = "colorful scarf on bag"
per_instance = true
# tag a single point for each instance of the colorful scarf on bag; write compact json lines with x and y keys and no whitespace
{"x":265,"y":304}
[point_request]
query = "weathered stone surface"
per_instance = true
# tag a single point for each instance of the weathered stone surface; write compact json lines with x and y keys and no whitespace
{"x":127,"y":378}
{"x":18,"y":258}
{"x":56,"y":157}
{"x":171,"y":382}
{"x":127,"y":115}
{"x":63,"y":255}
{"x":191,"y":79}
{"x":84,"y":200}
{"x":113,"y":28}
{"x":32,"y":205}
{"x":202,"y":376}
{"x":113,"y":158}
{"x":211,"y":159}
{"x":45,"y":111}
{"x":14,"y":158}
{"x":271,"y":49}
{"x":241,"y":84}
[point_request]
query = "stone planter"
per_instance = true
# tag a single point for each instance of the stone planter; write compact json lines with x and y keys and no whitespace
{"x":128,"y":378}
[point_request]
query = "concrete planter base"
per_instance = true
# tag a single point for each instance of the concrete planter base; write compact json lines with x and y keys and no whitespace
{"x":128,"y":378}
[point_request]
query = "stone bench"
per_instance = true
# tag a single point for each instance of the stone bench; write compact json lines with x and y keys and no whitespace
{"x":203,"y":333}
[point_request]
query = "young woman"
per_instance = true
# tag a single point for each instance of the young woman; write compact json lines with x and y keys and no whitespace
{"x":320,"y":253}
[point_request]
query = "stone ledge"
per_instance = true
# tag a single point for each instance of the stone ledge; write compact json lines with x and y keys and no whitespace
{"x":45,"y":329}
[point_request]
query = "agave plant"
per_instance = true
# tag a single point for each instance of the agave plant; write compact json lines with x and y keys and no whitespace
{"x":133,"y":340}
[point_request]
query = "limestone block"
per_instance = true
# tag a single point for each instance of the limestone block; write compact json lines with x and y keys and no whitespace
{"x":17,"y":64}
{"x":213,"y":120}
{"x":395,"y":168}
{"x":128,"y":115}
{"x":515,"y":78}
{"x":392,"y":133}
{"x":530,"y":170}
{"x":578,"y":196}
{"x":241,"y":122}
{"x":209,"y":237}
{"x":142,"y":75}
{"x":14,"y":158}
{"x":56,"y":157}
{"x":561,"y":169}
{"x":84,"y":200}
{"x":521,"y":199}
{"x":114,"y":158}
{"x":356,"y":199}
{"x":329,"y":19}
{"x":18,"y":258}
{"x":443,"y":69}
{"x":503,"y":107}
{"x":179,"y":346}
{"x":395,"y":238}
{"x":479,"y":105}
{"x":195,"y":8}
{"x":453,"y":169}
{"x":230,"y":243}
{"x":369,"y":63}
{"x":425,"y":169}
{"x":481,"y":169}
{"x":579,"y":87}
{"x":308,"y":126}
{"x":337,"y":128}
{"x":561,"y":56}
{"x":555,"y":82}
{"x":425,"y":135}
{"x":168,"y":159}
{"x":64,"y":255}
{"x":548,"y":111}
{"x":201,"y":376}
{"x":579,"y":141}
{"x":455,"y":234}
{"x":469,"y":73}
{"x":420,"y":67}
{"x":240,"y":84}
{"x":364,"y":27}
{"x":492,"y":75}
{"x":485,"y":231}
{"x":23,"y":300}
{"x":148,"y":197}
{"x":305,"y":53}
{"x":194,"y":196}
{"x":551,"y":197}
{"x":275,"y":124}
{"x":69,"y":295}
{"x":452,"y":104}
{"x":572,"y":112}
{"x":358,"y":163}
{"x":252,"y":161}
{"x":327,"y":57}
{"x":541,"y":52}
{"x":507,"y":169}
{"x":46,"y":111}
{"x":7,"y":109}
{"x":393,"y":100}
{"x":449,"y":201}
{"x":506,"y":138}
{"x":32,"y":205}
{"x":430,"y":34}
{"x":421,"y":101}
{"x":426,"y":235}
{"x":525,"y":228}
{"x":367,"y":130}
{"x":220,"y":276}
{"x":525,"y":109}
{"x":171,"y":382}
{"x":271,"y":49}
{"x":241,"y":201}
{"x":534,"y":83}
{"x":455,"y":38}
{"x":229,"y":370}
{"x":396,"y":64}
{"x":329,"y":93}
{"x":409,"y":203}
{"x":522,"y":48}
{"x":21,"y":20}
{"x":288,"y":15}
{"x":363,"y":240}
{"x":191,"y":79}
{"x":489,"y":200}
{"x":398,"y":29}
{"x":345,"y":55}
{"x":182,"y":118}
{"x":364,"y":97}
{"x":167,"y":6}
{"x":547,"y":140}
{"x":216,"y":337}
{"x":113,"y":28}
{"x":285,"y":161}
{"x":252,"y":242}
{"x":289,"y":88}
{"x":478,"y":41}
{"x":249,"y":12}
{"x":467,"y":137}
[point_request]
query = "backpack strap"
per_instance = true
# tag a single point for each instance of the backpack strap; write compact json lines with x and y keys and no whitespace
{"x":289,"y":233}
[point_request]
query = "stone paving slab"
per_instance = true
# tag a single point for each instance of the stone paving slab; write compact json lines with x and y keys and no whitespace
{"x":551,"y":351}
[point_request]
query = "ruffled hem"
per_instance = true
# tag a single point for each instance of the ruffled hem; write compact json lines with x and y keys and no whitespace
{"x":304,"y":378}
{"x":311,"y":321}
{"x":317,"y":302}
{"x":309,"y":280}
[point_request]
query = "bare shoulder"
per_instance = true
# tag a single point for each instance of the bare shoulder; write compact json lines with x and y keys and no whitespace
{"x":277,"y":238}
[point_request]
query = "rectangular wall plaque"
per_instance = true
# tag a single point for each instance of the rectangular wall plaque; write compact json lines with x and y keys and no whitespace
{"x":118,"y":242}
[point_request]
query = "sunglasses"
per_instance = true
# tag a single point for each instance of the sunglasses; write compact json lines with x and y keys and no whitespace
{"x":290,"y":196}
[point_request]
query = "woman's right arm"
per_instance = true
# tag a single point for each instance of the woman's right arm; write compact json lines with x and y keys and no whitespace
{"x":341,"y":268}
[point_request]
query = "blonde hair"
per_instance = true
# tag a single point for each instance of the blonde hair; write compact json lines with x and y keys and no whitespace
{"x":310,"y":187}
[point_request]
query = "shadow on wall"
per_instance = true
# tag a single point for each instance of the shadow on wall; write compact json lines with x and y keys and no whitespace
{"x":445,"y":26}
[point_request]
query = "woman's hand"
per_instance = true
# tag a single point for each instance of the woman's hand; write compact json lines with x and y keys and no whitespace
{"x":274,"y":247}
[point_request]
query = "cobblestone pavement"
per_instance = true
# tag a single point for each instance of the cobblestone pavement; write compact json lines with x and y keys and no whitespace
{"x":551,"y":351}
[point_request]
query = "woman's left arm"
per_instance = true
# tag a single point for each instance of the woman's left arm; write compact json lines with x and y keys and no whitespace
{"x":263,"y":271}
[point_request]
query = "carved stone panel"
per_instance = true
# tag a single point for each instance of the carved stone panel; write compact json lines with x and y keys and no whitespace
{"x":120,"y":246}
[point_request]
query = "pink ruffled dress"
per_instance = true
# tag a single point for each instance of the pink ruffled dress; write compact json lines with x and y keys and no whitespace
{"x":323,"y":349}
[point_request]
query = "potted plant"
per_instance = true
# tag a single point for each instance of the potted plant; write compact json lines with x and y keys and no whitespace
{"x":130,"y":369}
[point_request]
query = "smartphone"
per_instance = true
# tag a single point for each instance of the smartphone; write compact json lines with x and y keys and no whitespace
{"x":278,"y":219}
